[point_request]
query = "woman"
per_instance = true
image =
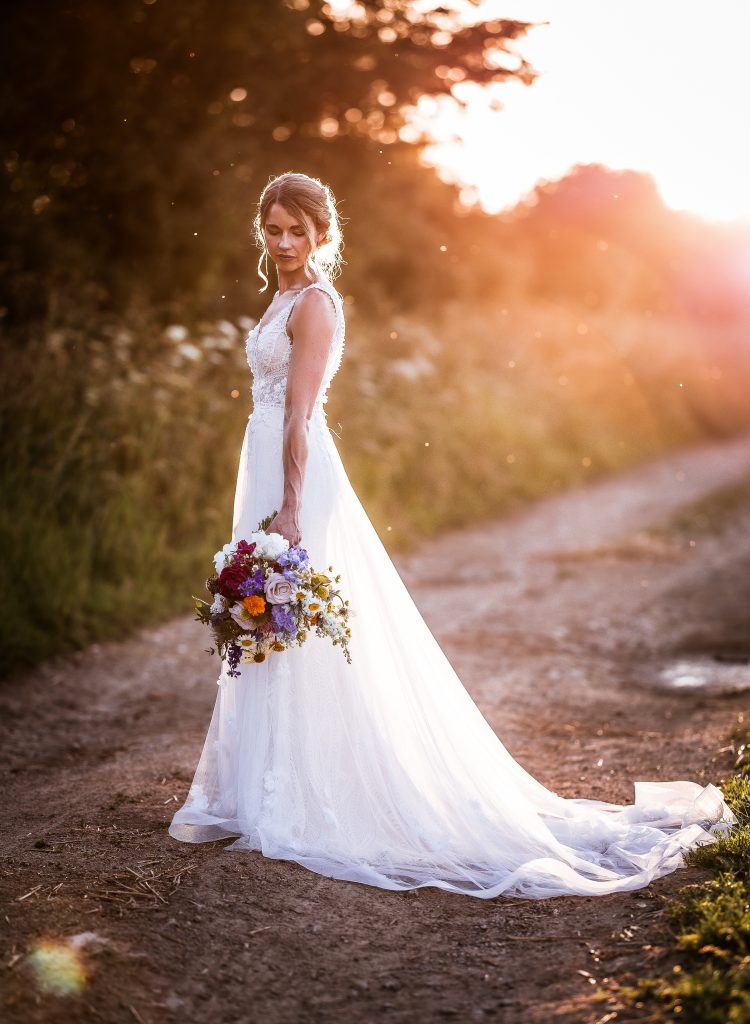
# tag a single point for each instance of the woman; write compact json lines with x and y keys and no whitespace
{"x":382,"y":771}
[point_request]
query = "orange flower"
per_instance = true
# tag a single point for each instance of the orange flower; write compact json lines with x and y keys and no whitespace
{"x":255,"y":604}
{"x":314,"y":619}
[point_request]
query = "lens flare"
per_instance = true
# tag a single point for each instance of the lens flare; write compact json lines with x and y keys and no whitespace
{"x":58,"y":967}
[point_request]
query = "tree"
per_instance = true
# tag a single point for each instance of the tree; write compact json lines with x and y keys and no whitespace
{"x":138,"y":135}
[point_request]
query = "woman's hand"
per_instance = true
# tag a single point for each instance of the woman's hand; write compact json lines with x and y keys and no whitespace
{"x":286,"y":522}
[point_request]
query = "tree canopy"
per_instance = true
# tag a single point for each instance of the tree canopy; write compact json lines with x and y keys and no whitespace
{"x":137,"y":136}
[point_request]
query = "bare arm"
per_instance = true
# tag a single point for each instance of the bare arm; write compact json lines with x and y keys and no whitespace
{"x":311,"y":324}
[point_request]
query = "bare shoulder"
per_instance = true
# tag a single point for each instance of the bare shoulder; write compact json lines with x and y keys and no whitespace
{"x":315,"y":310}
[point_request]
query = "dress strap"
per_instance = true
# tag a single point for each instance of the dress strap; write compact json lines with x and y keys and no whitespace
{"x":324,"y":286}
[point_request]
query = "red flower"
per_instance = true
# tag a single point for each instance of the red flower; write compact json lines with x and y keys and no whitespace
{"x":230,"y":579}
{"x":243,"y":548}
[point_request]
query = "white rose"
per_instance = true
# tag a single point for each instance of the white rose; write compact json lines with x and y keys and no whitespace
{"x":223,"y":557}
{"x":268,"y":545}
{"x":278,"y":589}
{"x":242,"y":616}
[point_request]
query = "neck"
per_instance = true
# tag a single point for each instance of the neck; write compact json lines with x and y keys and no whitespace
{"x":293,"y":282}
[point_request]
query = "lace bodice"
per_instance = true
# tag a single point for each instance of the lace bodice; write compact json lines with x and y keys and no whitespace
{"x":269,"y":350}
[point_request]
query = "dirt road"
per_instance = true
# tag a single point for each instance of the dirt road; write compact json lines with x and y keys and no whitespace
{"x":618,"y":654}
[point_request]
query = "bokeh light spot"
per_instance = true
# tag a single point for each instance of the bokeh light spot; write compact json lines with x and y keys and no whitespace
{"x":57,"y":967}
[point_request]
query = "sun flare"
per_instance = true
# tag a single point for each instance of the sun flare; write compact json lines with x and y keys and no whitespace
{"x":642,"y":86}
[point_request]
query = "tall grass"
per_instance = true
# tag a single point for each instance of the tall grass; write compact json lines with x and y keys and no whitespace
{"x":120,"y":442}
{"x":469,"y":414}
{"x":118,"y":452}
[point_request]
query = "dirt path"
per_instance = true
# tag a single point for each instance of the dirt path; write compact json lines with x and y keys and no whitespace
{"x":594,"y":615}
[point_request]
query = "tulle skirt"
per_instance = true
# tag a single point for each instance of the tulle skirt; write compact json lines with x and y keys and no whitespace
{"x":384,"y":771}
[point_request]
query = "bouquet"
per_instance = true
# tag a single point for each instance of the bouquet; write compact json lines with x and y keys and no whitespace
{"x":267,"y":596}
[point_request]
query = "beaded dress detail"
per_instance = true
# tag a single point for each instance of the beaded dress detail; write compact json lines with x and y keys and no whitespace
{"x":269,"y":350}
{"x":384,"y":771}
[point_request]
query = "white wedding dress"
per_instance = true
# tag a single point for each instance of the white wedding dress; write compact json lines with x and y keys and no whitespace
{"x":384,"y":771}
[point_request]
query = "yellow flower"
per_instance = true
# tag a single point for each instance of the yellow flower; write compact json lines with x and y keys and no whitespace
{"x":255,"y":604}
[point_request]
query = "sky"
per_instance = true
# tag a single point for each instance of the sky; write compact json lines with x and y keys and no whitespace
{"x":660,"y":86}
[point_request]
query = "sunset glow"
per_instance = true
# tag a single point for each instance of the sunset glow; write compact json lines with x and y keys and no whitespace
{"x":660,"y":88}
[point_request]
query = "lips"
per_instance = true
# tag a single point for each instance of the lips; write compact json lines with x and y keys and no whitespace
{"x":285,"y":257}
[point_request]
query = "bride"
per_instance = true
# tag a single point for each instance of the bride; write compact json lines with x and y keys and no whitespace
{"x":382,"y":771}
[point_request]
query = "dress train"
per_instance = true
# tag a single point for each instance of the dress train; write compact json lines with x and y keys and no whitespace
{"x":384,"y":771}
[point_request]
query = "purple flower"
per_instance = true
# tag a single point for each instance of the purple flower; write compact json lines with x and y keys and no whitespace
{"x":234,"y":653}
{"x":283,"y":618}
{"x":252,"y":585}
{"x":294,"y":557}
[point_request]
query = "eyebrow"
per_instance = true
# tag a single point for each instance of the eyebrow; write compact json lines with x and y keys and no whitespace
{"x":273,"y":224}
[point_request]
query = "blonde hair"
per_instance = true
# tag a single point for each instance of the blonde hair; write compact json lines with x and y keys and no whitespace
{"x":313,"y":204}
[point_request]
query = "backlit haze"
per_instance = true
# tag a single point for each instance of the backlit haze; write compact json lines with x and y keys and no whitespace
{"x":661,"y":88}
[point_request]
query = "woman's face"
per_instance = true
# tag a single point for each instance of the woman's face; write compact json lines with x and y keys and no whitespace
{"x":286,"y":239}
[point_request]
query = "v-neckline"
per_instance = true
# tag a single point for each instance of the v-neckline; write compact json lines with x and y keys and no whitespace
{"x":261,"y":325}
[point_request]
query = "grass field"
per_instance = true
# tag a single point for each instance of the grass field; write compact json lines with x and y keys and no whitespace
{"x":120,"y":442}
